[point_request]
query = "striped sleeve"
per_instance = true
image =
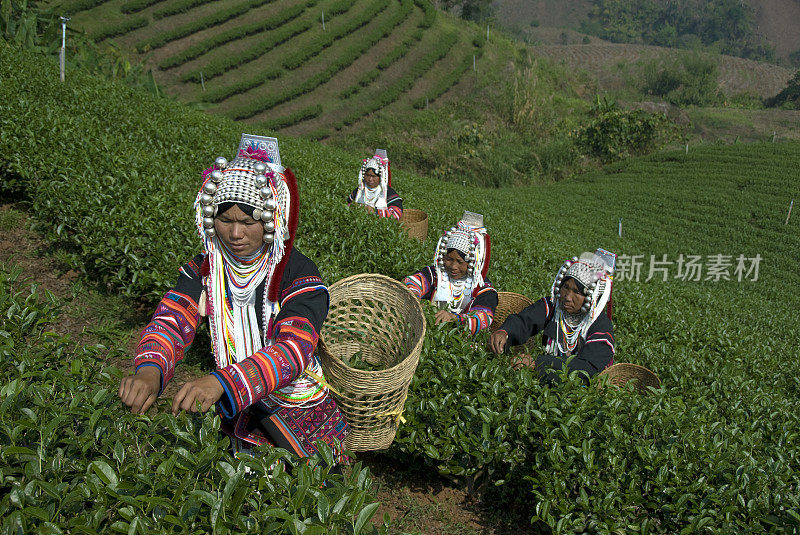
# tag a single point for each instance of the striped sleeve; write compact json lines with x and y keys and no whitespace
{"x":480,"y":313}
{"x":168,"y":335}
{"x":394,"y":205}
{"x":420,"y":283}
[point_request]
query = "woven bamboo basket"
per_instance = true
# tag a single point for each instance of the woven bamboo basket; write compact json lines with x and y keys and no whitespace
{"x":508,"y":303}
{"x":415,"y":222}
{"x":622,"y":372}
{"x":378,"y":317}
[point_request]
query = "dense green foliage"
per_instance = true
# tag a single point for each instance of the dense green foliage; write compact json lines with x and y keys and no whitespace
{"x":789,"y":97}
{"x":688,"y":80}
{"x":726,"y":25}
{"x":74,"y":460}
{"x":715,"y":449}
{"x":614,"y":133}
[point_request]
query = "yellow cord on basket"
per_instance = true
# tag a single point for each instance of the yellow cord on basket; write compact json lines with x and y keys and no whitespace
{"x":396,"y":414}
{"x":322,"y":381}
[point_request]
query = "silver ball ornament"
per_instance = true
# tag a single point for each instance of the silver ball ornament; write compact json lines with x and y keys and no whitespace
{"x":574,"y":259}
{"x":260,"y":167}
{"x":261,"y":181}
{"x":210,"y":232}
{"x":206,"y":199}
{"x":271,"y":204}
{"x":210,"y":188}
{"x":208,"y":222}
{"x":221,"y":163}
{"x":208,"y":211}
{"x":269,"y":237}
{"x":269,"y":226}
{"x":267,"y":215}
{"x":265,"y":192}
{"x":216,"y":175}
{"x":257,"y":214}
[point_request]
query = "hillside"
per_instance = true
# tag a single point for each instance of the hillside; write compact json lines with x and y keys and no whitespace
{"x":310,"y":66}
{"x":722,"y":431}
{"x":778,"y":21}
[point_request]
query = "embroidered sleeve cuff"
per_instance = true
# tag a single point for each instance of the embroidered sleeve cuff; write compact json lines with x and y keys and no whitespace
{"x":161,"y":372}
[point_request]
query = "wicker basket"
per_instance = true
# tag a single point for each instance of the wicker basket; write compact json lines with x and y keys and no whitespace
{"x":619,"y":374}
{"x":415,"y":222}
{"x":378,"y":317}
{"x":508,"y":303}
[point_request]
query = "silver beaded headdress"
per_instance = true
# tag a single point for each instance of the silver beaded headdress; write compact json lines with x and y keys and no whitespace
{"x":595,"y":272}
{"x":252,"y":178}
{"x":470,"y":238}
{"x":380,"y":164}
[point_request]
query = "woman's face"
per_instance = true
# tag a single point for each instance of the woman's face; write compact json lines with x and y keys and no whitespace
{"x":240,"y":233}
{"x":371,"y":179}
{"x":455,"y":266}
{"x":571,"y":298}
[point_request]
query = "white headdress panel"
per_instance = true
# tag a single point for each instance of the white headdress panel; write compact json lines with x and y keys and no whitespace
{"x":470,"y":238}
{"x":375,"y":197}
{"x":254,"y":180}
{"x":595,"y":272}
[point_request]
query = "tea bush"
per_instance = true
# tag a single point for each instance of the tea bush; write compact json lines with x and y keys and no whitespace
{"x":75,"y":460}
{"x":110,"y":175}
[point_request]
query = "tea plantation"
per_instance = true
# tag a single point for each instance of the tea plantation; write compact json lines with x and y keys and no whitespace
{"x":110,"y":175}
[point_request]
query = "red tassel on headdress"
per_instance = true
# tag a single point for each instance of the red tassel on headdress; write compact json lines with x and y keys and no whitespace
{"x":610,"y":297}
{"x":294,"y":213}
{"x":488,"y":256}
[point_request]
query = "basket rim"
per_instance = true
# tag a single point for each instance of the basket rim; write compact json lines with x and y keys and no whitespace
{"x":630,"y":366}
{"x":416,"y":349}
{"x":415,"y":211}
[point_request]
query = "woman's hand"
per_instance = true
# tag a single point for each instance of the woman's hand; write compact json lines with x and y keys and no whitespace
{"x":497,"y":342}
{"x":207,"y":390}
{"x":140,"y":391}
{"x":523,"y":361}
{"x":369,"y":209}
{"x":443,"y":316}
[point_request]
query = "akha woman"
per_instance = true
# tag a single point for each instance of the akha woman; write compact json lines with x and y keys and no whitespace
{"x":456,"y":282}
{"x":574,"y":321}
{"x":374,"y":191}
{"x":265,"y":303}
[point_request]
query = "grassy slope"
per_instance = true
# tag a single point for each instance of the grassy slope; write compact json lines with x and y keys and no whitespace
{"x":711,"y":342}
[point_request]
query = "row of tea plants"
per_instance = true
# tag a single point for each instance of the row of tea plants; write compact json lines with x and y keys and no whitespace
{"x":110,"y":174}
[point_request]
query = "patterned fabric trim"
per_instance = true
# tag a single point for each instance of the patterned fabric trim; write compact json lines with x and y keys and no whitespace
{"x":476,"y":319}
{"x":602,"y":337}
{"x":418,"y":284}
{"x":168,"y":335}
{"x":269,"y":368}
{"x":301,"y":286}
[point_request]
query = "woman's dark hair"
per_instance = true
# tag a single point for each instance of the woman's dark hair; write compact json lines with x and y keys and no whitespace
{"x":225,"y":206}
{"x":462,"y":255}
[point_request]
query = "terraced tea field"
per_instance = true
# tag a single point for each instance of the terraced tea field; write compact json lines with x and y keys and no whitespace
{"x":275,"y":64}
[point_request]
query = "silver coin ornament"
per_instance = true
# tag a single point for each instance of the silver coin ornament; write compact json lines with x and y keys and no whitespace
{"x":221,"y":163}
{"x":257,"y":214}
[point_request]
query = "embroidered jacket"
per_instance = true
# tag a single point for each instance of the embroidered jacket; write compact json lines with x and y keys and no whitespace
{"x":479,"y":312}
{"x":591,"y":355}
{"x":304,"y":306}
{"x":394,"y":203}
